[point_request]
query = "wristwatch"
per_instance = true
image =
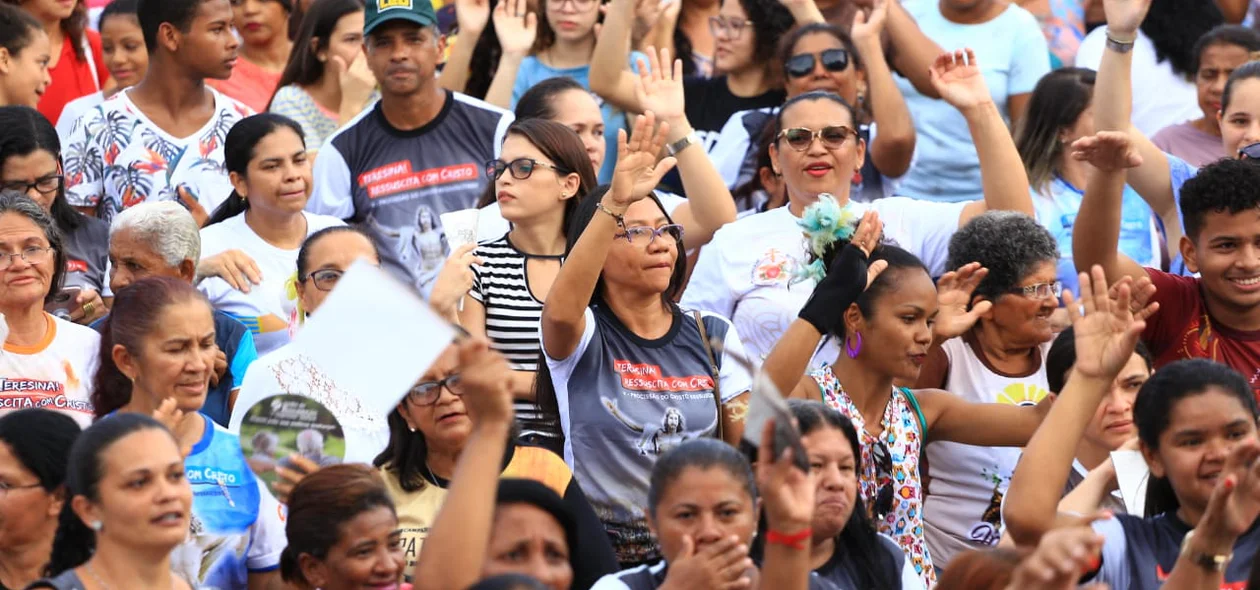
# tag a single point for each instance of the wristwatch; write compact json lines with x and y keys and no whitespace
{"x":1119,"y":46}
{"x":674,"y":148}
{"x":1207,"y":561}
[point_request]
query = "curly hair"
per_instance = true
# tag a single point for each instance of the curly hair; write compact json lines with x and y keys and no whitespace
{"x":770,"y":22}
{"x":1008,"y":243}
{"x":1174,"y":27}
{"x":1225,"y":186}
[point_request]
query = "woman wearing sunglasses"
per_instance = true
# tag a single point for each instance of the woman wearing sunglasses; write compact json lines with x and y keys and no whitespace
{"x":822,"y":57}
{"x":746,"y":272}
{"x":429,"y":431}
{"x":321,"y":261}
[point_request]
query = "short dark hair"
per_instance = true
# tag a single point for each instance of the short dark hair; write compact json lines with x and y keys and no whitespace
{"x":129,"y":8}
{"x":1008,"y":243}
{"x":1224,"y":186}
{"x":1237,"y":35}
{"x":17,"y":27}
{"x":1246,"y":71}
{"x":320,"y":505}
{"x":701,"y":453}
{"x":40,"y":440}
{"x":153,"y":13}
{"x":770,"y":20}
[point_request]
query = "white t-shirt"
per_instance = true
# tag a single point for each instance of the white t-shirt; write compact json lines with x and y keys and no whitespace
{"x":964,"y":499}
{"x":287,"y":371}
{"x":116,"y":157}
{"x":73,"y":111}
{"x":1161,"y":97}
{"x":745,"y":273}
{"x":55,"y":374}
{"x":269,"y":310}
{"x":491,"y":225}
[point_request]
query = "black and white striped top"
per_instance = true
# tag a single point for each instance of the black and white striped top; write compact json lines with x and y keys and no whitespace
{"x":512,"y":317}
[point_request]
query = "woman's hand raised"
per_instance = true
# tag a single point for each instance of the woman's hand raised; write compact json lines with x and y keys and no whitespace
{"x":958,"y":79}
{"x":638,"y":171}
{"x":953,"y":296}
{"x":1108,"y":331}
{"x":486,"y":378}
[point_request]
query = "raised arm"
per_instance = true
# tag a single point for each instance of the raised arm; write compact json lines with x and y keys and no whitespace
{"x":516,"y":26}
{"x":1113,"y":107}
{"x":709,"y":205}
{"x":914,"y":51}
{"x":1096,"y":236}
{"x":788,"y":496}
{"x":456,"y":547}
{"x":1005,"y":183}
{"x":610,"y":78}
{"x":892,"y":151}
{"x":637,"y":173}
{"x":471,"y":17}
{"x":1105,"y":338}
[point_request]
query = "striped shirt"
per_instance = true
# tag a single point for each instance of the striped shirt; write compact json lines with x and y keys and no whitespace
{"x":512,"y":318}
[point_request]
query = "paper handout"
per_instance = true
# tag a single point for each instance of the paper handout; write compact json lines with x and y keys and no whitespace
{"x":1132,"y":474}
{"x":766,"y":402}
{"x":374,"y":336}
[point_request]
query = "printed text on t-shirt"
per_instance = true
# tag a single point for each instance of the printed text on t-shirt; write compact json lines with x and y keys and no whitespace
{"x":398,"y":177}
{"x":647,"y":377}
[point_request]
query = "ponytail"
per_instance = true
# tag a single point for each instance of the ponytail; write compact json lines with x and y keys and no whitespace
{"x":110,"y":388}
{"x":233,"y":206}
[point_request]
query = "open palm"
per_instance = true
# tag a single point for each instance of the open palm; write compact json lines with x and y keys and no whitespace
{"x":1108,"y":332}
{"x":957,"y":77}
{"x":1125,"y":15}
{"x":472,"y":15}
{"x":956,"y":315}
{"x":869,"y":25}
{"x":660,"y":85}
{"x":637,"y":172}
{"x":515,"y":26}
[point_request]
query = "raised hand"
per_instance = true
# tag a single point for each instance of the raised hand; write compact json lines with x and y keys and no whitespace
{"x":953,"y":296}
{"x":1125,"y":16}
{"x":1108,"y":332}
{"x":1109,"y":151}
{"x":660,"y":87}
{"x":866,"y":237}
{"x":957,"y":78}
{"x":471,"y":16}
{"x":646,"y":14}
{"x":515,"y":26}
{"x":637,"y":172}
{"x":1235,"y":502}
{"x":356,"y":81}
{"x":454,"y":280}
{"x":868,"y":25}
{"x":486,"y":378}
{"x":1140,"y":293}
{"x":787,"y":492}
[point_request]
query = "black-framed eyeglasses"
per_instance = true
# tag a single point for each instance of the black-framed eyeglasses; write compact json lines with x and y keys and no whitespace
{"x":32,"y":255}
{"x":802,"y":64}
{"x":428,"y":392}
{"x":884,"y":478}
{"x":46,"y":185}
{"x":642,"y":235}
{"x":1249,"y":152}
{"x":521,"y":168}
{"x":832,"y":136}
{"x":728,"y":27}
{"x":1040,"y":290}
{"x":325,"y":279}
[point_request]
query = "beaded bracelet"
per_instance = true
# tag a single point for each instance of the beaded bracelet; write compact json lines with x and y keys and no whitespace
{"x":619,"y":218}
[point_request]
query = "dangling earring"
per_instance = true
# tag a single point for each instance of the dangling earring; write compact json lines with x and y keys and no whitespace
{"x":852,"y":349}
{"x":861,"y":100}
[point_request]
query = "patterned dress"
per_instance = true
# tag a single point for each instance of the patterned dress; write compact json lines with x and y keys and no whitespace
{"x":900,"y":433}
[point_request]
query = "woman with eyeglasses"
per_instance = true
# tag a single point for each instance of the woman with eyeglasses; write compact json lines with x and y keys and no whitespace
{"x":1001,"y":359}
{"x":746,"y":272}
{"x":427,"y":436}
{"x":322,"y":260}
{"x":822,"y":57}
{"x":34,"y":448}
{"x":250,"y":243}
{"x":887,"y":331}
{"x":30,"y":163}
{"x":630,"y":373}
{"x":47,"y":361}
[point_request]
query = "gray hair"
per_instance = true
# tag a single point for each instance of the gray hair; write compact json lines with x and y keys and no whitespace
{"x":12,"y":201}
{"x":1008,"y":243}
{"x":165,"y":226}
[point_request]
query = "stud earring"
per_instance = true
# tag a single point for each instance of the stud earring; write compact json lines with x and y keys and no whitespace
{"x":97,"y":525}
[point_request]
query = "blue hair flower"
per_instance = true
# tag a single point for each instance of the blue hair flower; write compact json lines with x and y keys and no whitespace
{"x":824,"y":223}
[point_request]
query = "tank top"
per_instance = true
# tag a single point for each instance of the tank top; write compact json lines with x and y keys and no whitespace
{"x":901,"y":433}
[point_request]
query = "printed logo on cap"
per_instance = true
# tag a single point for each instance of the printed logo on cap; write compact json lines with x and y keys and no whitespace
{"x":382,"y":5}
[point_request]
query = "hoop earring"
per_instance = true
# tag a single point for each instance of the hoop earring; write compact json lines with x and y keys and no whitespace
{"x":853,"y":349}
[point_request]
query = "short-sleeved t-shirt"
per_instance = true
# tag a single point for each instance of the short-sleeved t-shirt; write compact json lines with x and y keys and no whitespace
{"x":237,"y":525}
{"x":1013,"y":56}
{"x":746,"y":273}
{"x":710,"y":103}
{"x":1161,"y":96}
{"x":316,"y":121}
{"x":269,"y":310}
{"x":652,"y":576}
{"x":624,"y":401}
{"x":1183,"y":329}
{"x":74,"y":76}
{"x":532,"y":71}
{"x":117,"y":157}
{"x":1140,"y":553}
{"x":395,"y":184}
{"x":87,"y":254}
{"x":55,"y":374}
{"x":1187,"y":142}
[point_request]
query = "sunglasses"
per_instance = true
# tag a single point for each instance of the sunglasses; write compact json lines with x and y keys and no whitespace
{"x":801,"y":65}
{"x":832,"y":136}
{"x":521,"y":168}
{"x":884,"y":477}
{"x":1249,"y":152}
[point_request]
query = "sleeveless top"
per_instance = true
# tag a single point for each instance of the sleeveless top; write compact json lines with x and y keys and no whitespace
{"x":901,"y":433}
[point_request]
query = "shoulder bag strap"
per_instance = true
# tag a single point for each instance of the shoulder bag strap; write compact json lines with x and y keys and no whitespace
{"x":713,"y":372}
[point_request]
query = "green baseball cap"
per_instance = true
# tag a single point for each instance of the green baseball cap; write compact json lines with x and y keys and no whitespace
{"x":382,"y":11}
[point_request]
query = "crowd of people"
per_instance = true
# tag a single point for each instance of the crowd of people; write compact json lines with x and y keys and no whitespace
{"x":999,"y":258}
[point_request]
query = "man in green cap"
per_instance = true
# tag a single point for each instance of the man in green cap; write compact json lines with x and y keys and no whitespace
{"x":417,"y":153}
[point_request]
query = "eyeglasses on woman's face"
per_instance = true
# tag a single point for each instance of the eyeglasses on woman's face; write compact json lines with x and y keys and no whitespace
{"x":832,"y":136}
{"x":46,"y":185}
{"x":1040,"y":290}
{"x":427,"y":393}
{"x":32,"y":255}
{"x":643,"y":235}
{"x":728,"y":26}
{"x":521,"y":168}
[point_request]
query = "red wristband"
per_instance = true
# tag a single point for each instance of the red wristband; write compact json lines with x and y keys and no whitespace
{"x":793,"y":540}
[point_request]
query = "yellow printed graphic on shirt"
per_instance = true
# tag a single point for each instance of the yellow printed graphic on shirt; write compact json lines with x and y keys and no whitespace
{"x":1022,"y":394}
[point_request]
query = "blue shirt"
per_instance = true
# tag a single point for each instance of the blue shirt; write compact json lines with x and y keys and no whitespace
{"x":1057,"y":209}
{"x":1179,"y":171}
{"x":533,"y":71}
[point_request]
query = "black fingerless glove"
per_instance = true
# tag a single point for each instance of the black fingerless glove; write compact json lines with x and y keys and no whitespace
{"x":845,"y":281}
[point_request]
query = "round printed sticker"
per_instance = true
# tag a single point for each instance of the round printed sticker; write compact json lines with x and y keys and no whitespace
{"x":279,"y":427}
